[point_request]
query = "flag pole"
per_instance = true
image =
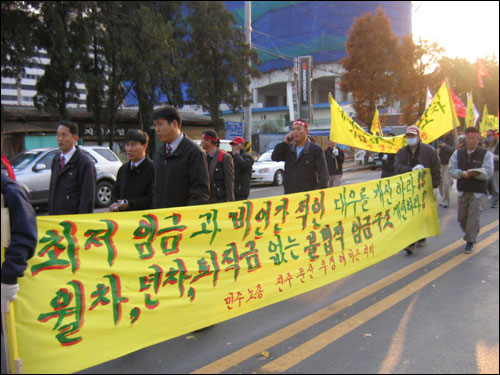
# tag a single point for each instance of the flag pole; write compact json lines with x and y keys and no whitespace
{"x":455,"y":119}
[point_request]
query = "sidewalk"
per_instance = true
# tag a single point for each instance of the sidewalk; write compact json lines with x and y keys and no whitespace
{"x":351,"y":166}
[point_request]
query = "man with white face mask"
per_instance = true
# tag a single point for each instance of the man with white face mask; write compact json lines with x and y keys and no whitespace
{"x":418,"y":155}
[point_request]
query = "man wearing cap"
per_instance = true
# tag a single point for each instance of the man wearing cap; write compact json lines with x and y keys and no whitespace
{"x":491,"y":143}
{"x":417,"y":155}
{"x":471,"y":166}
{"x":305,"y":164}
{"x":243,"y":163}
{"x":220,"y":169}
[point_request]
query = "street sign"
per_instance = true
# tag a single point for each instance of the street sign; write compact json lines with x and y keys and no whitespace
{"x":234,"y":129}
{"x":304,"y":88}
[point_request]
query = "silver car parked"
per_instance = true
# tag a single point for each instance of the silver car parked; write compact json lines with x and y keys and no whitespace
{"x":32,"y":170}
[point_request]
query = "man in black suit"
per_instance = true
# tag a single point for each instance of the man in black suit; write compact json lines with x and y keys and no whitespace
{"x":133,"y":189}
{"x":72,"y":182}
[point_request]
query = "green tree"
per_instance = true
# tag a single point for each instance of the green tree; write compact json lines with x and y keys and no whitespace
{"x":415,"y":74}
{"x":19,"y":25}
{"x":93,"y":69}
{"x":174,"y":72}
{"x":371,"y":64}
{"x":489,"y":95}
{"x":151,"y":50}
{"x":64,"y":36}
{"x":105,"y":75}
{"x":218,"y":65}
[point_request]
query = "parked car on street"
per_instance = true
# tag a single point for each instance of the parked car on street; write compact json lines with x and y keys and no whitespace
{"x":272,"y":145}
{"x":32,"y":170}
{"x":224,"y":144}
{"x":268,"y":171}
{"x":374,"y":161}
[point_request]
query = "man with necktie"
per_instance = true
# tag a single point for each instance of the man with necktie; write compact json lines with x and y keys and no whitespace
{"x":133,"y":189}
{"x":72,"y":183}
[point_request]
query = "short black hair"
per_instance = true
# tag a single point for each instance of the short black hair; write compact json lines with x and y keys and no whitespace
{"x":472,"y":129}
{"x":72,"y":126}
{"x":137,"y":135}
{"x":168,"y":113}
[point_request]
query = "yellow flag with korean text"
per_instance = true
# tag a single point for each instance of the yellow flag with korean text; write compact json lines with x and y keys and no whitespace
{"x":438,"y":118}
{"x":347,"y":132}
{"x":376,"y":129}
{"x":472,"y":114}
{"x":436,"y":121}
{"x":488,"y":122}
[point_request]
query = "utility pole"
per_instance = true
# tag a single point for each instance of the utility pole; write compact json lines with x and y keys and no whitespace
{"x":248,"y":109}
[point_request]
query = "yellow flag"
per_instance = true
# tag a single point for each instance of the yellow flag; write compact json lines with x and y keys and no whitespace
{"x":436,"y":121}
{"x":487,"y":122}
{"x":376,"y":128}
{"x":438,"y":118}
{"x":471,"y":115}
{"x":345,"y":131}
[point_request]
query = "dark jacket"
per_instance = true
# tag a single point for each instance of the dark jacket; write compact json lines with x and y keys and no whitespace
{"x":243,"y":163}
{"x":446,"y":151}
{"x":466,"y":162}
{"x":23,"y":231}
{"x":72,"y":190}
{"x":136,"y":186}
{"x":387,"y":165}
{"x":425,"y":155}
{"x":308,"y":172}
{"x":182,"y":178}
{"x":333,"y":162}
{"x":221,"y":172}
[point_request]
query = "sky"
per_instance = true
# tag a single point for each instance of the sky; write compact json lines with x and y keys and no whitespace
{"x":466,"y":29}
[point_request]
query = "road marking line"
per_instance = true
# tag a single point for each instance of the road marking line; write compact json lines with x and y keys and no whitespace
{"x":285,"y":333}
{"x":324,"y":339}
{"x":395,"y":351}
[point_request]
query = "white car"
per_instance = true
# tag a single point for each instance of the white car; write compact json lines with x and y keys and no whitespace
{"x":224,"y":144}
{"x":32,"y":170}
{"x":268,"y":171}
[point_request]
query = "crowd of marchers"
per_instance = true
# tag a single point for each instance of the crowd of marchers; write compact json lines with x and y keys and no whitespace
{"x":182,"y":174}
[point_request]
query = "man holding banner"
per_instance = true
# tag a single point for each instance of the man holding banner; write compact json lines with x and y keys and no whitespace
{"x":19,"y":237}
{"x":417,"y":155}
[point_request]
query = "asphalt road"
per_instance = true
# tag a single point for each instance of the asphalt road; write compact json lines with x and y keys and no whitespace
{"x":436,"y":311}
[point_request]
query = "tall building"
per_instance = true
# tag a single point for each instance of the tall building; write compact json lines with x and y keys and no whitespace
{"x":284,"y":30}
{"x":281,"y":31}
{"x":12,"y":94}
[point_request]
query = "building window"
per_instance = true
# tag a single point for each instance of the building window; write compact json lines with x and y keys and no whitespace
{"x":271,"y":101}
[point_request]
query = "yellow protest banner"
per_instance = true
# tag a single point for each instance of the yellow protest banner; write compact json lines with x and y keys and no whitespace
{"x":435,"y":121}
{"x":104,"y":285}
{"x":347,"y":132}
